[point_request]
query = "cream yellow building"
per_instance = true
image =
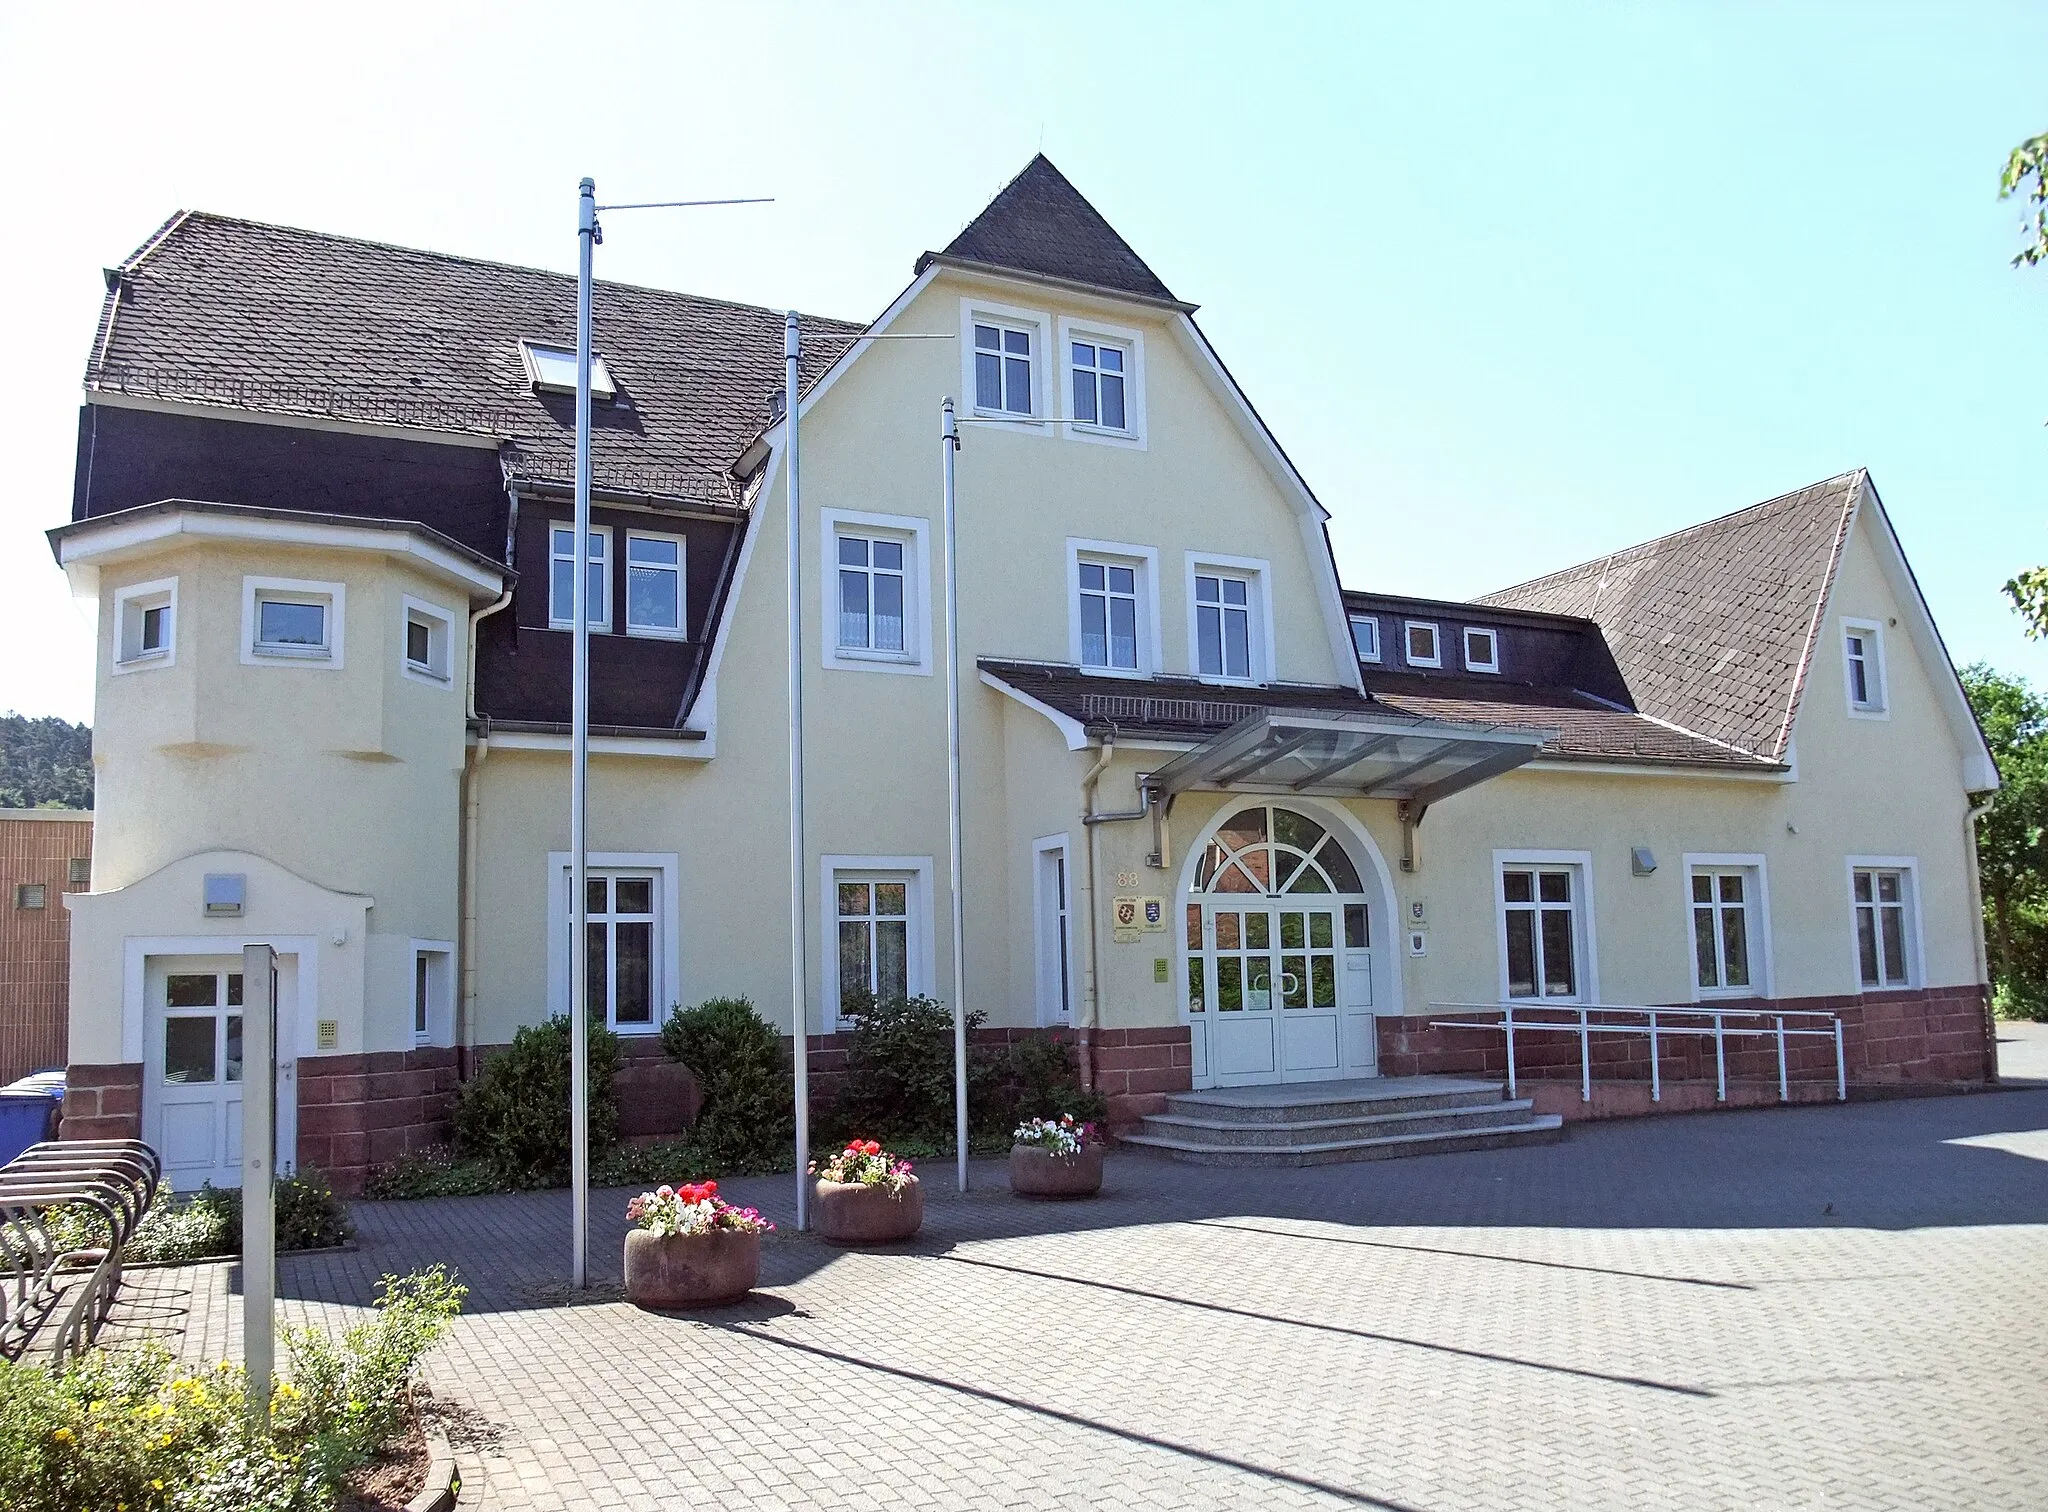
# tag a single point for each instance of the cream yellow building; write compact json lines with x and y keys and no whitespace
{"x":1225,"y":822}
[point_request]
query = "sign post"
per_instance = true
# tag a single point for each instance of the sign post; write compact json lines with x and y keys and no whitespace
{"x":259,"y":1193}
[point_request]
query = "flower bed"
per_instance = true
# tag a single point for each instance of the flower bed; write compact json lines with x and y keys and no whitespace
{"x":129,"y":1429}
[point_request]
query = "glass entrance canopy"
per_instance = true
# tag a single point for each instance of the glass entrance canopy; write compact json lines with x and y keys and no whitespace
{"x":1347,"y":755}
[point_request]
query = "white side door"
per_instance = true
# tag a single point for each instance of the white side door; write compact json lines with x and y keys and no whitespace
{"x":193,"y":1068}
{"x":1354,"y":989}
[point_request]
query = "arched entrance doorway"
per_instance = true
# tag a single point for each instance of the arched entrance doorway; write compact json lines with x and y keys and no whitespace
{"x":1280,"y":920}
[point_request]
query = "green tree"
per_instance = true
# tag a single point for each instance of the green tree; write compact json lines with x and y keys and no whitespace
{"x":2026,"y":175}
{"x":44,"y":763}
{"x":2012,"y":839}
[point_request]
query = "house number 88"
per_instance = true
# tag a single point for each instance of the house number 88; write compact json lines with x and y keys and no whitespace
{"x":1126,"y":879}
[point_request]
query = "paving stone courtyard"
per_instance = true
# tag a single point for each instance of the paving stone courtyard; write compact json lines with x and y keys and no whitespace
{"x":1826,"y":1307}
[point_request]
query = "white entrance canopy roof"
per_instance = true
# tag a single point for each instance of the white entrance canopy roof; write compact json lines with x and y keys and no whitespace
{"x":1346,"y":755}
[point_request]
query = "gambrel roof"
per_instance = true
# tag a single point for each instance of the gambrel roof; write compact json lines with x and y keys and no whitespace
{"x":236,"y":314}
{"x":1712,"y":626}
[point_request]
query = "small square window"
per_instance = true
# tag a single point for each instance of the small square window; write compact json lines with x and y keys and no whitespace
{"x":30,"y":895}
{"x":1365,"y":636}
{"x":428,"y":634}
{"x":1482,"y":650}
{"x":145,"y":625}
{"x":1419,"y":641}
{"x":292,"y":625}
{"x":79,"y":873}
{"x":552,"y":370}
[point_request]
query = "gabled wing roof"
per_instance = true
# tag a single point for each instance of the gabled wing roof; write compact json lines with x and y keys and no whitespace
{"x":234,"y":313}
{"x":1712,"y":626}
{"x":1040,"y":223}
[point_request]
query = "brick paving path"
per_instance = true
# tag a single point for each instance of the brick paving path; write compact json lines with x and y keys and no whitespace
{"x":1834,"y":1307}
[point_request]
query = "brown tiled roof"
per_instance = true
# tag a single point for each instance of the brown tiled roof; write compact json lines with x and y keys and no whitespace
{"x":218,"y":311}
{"x":1040,"y":224}
{"x":1584,"y":728}
{"x":1711,"y":626}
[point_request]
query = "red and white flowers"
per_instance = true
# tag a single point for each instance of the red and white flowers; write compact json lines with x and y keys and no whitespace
{"x":1056,"y":1136}
{"x":692,"y":1209}
{"x":864,"y":1163}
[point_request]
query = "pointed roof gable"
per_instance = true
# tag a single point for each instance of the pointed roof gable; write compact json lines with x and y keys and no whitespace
{"x":1712,"y":626}
{"x":1040,"y":224}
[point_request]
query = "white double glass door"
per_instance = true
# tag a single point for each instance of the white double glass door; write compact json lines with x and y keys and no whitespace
{"x":1277,"y":984}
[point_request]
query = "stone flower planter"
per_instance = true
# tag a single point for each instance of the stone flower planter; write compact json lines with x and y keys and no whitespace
{"x":858,"y":1214}
{"x":690,"y":1270}
{"x":1035,"y":1172}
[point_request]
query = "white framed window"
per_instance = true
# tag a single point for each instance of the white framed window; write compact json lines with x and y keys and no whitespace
{"x":655,"y":598}
{"x":875,"y":601}
{"x":1004,"y":358}
{"x":146,"y":625}
{"x":1482,"y":649}
{"x":1863,"y":669}
{"x":633,"y":941}
{"x":1053,"y":929}
{"x":552,"y":370}
{"x":562,"y":577}
{"x":1419,"y":646}
{"x":1884,"y":901}
{"x":1103,"y":381}
{"x":1113,"y":607}
{"x":1365,"y":636}
{"x":1005,"y":366}
{"x":292,"y":621}
{"x":1230,"y":618}
{"x":433,"y":992}
{"x":429,"y":638}
{"x":1544,"y":900}
{"x":1728,"y":914}
{"x":876,"y":929}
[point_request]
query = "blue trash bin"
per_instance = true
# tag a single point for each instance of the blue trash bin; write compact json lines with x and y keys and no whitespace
{"x":26,"y":1117}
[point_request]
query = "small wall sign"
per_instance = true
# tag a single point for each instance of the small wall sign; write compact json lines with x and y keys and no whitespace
{"x":1159,"y":969}
{"x":1152,"y":913}
{"x":327,"y":1034}
{"x":1418,"y":913}
{"x":1418,"y":942}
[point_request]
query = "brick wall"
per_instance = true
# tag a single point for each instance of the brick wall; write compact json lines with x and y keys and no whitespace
{"x":357,"y":1111}
{"x":102,"y":1102}
{"x":1931,"y":1036}
{"x":1136,"y":1068}
{"x":35,"y":943}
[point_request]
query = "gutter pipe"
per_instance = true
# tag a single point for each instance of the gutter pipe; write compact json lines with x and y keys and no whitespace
{"x":472,"y":804}
{"x":1091,"y":1001}
{"x":1978,"y":946}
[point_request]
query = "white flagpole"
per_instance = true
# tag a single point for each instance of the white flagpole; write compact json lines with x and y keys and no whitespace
{"x":949,"y":443}
{"x":579,"y":770}
{"x":259,"y":1172}
{"x":799,"y":989}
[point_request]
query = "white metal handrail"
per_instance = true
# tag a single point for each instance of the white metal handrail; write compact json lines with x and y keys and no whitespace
{"x":1656,"y":1024}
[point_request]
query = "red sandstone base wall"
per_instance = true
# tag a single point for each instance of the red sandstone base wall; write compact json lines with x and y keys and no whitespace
{"x":1932,"y":1036}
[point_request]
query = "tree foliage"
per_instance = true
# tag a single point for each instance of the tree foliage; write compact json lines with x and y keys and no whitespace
{"x":2026,"y":174}
{"x":44,"y":763}
{"x":2012,"y":839}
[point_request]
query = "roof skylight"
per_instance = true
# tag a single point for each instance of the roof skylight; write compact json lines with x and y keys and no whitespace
{"x":552,"y":370}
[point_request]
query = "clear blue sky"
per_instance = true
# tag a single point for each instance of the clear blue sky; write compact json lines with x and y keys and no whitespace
{"x":1515,"y":284}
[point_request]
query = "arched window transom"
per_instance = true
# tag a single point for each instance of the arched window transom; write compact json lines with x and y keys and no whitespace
{"x":1271,"y":850}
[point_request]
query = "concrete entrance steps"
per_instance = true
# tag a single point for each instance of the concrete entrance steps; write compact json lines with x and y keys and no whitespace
{"x":1320,"y":1123}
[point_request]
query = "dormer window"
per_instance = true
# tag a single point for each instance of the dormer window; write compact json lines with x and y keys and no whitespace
{"x":1365,"y":636}
{"x":1420,"y":644}
{"x":552,"y":370}
{"x":1482,"y":650}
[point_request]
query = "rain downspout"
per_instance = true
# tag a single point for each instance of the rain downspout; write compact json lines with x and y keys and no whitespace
{"x":1091,"y":1002}
{"x":472,"y":805}
{"x":1979,"y":949}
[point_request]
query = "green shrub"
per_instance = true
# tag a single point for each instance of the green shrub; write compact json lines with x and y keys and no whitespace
{"x":899,"y":1074}
{"x":1041,"y":1082}
{"x":209,"y":1223}
{"x":747,"y":1122}
{"x":514,"y":1114}
{"x":129,"y":1430}
{"x":433,"y":1172}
